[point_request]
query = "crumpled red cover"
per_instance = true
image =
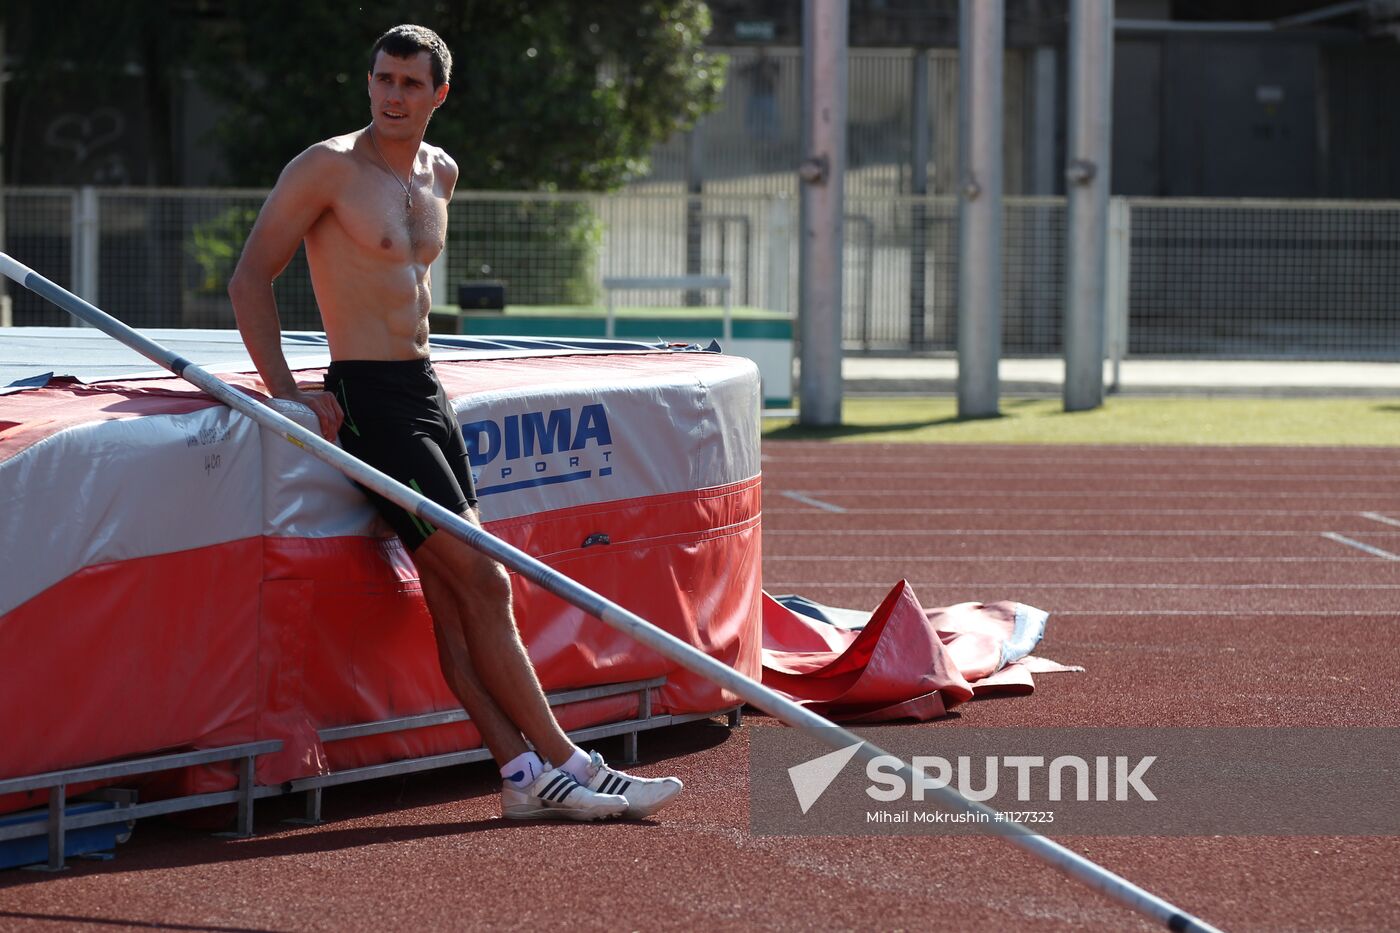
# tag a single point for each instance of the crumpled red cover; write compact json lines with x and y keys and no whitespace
{"x":906,"y":663}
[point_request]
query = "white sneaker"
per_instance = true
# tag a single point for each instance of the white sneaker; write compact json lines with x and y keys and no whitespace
{"x":644,"y":795}
{"x":557,"y":795}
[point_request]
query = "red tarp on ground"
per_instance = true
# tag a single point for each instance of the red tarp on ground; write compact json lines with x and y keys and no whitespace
{"x":906,"y":662}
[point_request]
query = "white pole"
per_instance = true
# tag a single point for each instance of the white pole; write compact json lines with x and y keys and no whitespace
{"x":1087,"y":171}
{"x":980,"y":38}
{"x":574,"y":593}
{"x":822,"y":175}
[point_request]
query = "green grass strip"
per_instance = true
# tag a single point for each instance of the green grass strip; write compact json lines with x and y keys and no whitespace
{"x":1327,"y":422}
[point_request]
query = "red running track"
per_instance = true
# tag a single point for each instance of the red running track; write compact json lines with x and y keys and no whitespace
{"x":1199,"y":587}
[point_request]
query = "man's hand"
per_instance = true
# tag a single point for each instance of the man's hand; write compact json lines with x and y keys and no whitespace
{"x":323,"y":405}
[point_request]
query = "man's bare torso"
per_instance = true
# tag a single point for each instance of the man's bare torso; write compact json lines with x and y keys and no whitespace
{"x":369,"y":255}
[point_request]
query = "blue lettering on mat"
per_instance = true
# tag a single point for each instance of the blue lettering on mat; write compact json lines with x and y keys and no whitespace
{"x":582,"y":434}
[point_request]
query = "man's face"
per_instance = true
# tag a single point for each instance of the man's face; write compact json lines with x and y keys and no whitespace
{"x":401,"y":94}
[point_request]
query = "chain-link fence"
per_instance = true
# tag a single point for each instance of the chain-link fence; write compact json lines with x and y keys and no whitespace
{"x":1236,"y":279}
{"x":555,"y":249}
{"x":39,"y":232}
{"x":152,"y":257}
{"x":1241,"y":279}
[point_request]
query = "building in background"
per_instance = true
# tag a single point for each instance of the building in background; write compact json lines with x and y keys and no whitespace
{"x":1212,"y":98}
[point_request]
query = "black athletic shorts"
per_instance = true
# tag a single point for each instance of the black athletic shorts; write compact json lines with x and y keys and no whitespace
{"x":398,"y":420}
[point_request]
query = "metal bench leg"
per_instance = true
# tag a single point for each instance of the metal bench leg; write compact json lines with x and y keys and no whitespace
{"x":736,"y":717}
{"x":312,"y":815}
{"x":629,"y":741}
{"x":244,"y":827}
{"x":245,"y":803}
{"x":58,"y":831}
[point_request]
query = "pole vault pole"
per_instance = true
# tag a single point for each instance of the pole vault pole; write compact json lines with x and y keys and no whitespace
{"x":546,"y":577}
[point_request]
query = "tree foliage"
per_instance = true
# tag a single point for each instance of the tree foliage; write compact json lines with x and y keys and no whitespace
{"x":546,"y":94}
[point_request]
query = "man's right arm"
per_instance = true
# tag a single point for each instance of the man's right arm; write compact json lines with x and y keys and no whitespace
{"x":302,"y":194}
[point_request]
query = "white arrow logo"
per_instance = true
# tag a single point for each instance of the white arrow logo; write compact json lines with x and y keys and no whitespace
{"x":811,"y":778}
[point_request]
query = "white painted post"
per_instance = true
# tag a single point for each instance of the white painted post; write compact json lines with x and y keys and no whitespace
{"x":822,"y":176}
{"x":1087,"y":172}
{"x":981,"y":29}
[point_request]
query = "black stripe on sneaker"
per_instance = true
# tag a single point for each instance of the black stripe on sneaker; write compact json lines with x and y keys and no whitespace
{"x":606,"y":786}
{"x":559,"y":788}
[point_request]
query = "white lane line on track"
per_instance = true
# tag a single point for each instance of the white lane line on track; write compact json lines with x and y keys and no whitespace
{"x":1342,"y":539}
{"x":1383,"y":519}
{"x":814,"y":503}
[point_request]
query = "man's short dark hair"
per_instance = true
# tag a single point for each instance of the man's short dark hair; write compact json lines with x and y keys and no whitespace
{"x":407,"y":41}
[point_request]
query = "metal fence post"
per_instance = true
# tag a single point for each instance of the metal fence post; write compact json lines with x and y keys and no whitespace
{"x":918,"y":185}
{"x":779,"y":218}
{"x":694,"y":207}
{"x":1120,"y":257}
{"x":87,"y":237}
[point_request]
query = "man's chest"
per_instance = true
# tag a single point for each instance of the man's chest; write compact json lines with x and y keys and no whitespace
{"x":394,"y":226}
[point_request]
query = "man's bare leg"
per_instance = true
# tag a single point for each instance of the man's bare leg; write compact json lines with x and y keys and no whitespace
{"x":479,"y":590}
{"x":474,"y":593}
{"x":500,"y":735}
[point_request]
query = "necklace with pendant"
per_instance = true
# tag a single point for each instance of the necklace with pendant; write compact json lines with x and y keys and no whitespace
{"x":407,"y":190}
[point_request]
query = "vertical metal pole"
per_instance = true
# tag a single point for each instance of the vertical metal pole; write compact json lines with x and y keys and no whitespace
{"x":1046,"y":223}
{"x":1087,"y":171}
{"x":1044,"y":92}
{"x":58,"y":826}
{"x":723,"y":245}
{"x":86,"y":244}
{"x":313,"y":806}
{"x":918,"y":219}
{"x":823,"y":201}
{"x":980,"y":38}
{"x":779,"y":269}
{"x":1120,"y":260}
{"x":694,"y":185}
{"x":245,"y":798}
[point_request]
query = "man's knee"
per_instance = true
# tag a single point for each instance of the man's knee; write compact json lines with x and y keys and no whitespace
{"x":452,"y":564}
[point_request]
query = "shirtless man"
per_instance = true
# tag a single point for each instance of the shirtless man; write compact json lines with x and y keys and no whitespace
{"x":371,"y":207}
